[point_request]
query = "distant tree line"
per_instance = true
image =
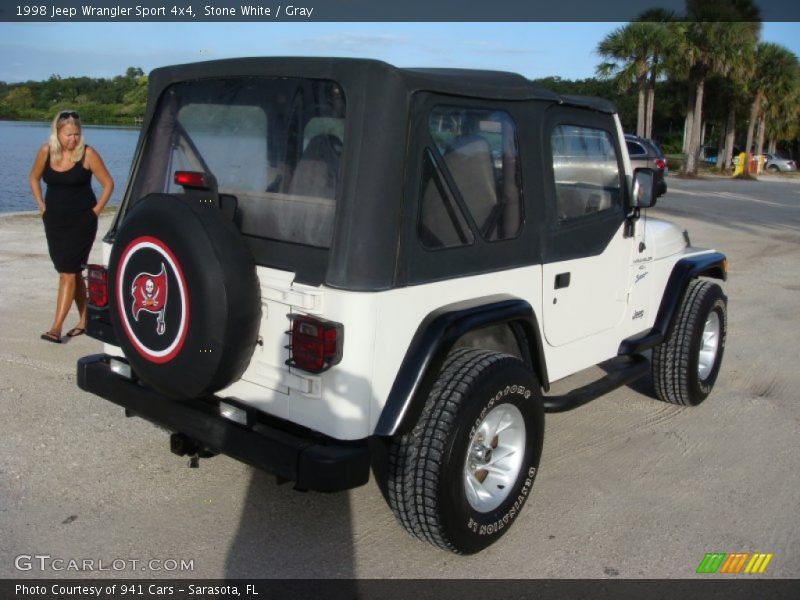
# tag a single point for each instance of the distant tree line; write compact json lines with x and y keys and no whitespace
{"x":119,"y":100}
{"x":693,"y":82}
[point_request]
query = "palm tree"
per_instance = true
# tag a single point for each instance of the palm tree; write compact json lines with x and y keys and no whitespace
{"x":636,"y":53}
{"x":775,"y":78}
{"x":783,"y":117}
{"x":714,"y":31}
{"x":660,"y":43}
{"x":704,"y":50}
{"x":740,"y":70}
{"x":628,"y":51}
{"x":735,"y":101}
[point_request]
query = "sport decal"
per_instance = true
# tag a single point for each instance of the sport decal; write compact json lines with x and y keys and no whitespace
{"x":150,"y":293}
{"x":152,"y":299}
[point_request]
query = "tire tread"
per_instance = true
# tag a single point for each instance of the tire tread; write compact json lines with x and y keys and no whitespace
{"x":415,"y":459}
{"x":672,"y":358}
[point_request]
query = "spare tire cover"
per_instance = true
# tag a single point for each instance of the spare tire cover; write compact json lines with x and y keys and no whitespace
{"x":184,"y":296}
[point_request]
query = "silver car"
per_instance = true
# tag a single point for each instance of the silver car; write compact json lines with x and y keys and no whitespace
{"x":644,"y":152}
{"x":776,"y":163}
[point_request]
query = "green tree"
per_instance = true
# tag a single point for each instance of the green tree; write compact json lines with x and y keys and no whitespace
{"x":136,"y":99}
{"x":712,"y":33}
{"x":628,"y":51}
{"x":739,"y":71}
{"x":133,"y":73}
{"x":704,"y":50}
{"x":661,"y":43}
{"x":783,"y":117}
{"x":20,"y":97}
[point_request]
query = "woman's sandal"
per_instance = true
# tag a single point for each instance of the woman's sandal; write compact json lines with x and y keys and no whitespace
{"x":76,"y":331}
{"x":49,"y":336}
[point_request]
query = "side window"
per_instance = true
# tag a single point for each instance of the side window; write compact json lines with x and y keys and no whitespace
{"x":441,"y":224}
{"x":585,"y":169}
{"x":478,"y":147}
{"x":635,"y":149}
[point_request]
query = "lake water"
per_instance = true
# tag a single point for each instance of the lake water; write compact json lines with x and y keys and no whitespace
{"x":20,"y":140}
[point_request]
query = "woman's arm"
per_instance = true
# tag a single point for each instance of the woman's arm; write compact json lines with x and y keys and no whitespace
{"x":95,"y":164}
{"x":35,"y":177}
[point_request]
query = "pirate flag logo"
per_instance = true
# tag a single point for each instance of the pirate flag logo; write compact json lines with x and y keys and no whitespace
{"x":150,"y":295}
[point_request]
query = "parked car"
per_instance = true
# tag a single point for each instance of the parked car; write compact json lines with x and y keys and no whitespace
{"x":323,"y":265}
{"x":708,"y":154}
{"x":775,"y":163}
{"x":645,"y":152}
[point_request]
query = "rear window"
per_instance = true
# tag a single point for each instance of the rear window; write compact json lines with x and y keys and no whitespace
{"x":654,"y":148}
{"x":274,"y":144}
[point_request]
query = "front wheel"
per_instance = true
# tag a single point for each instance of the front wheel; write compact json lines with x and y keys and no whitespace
{"x":460,"y":478}
{"x":686,"y":364}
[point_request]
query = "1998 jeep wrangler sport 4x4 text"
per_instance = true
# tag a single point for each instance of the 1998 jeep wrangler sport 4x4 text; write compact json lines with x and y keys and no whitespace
{"x":323,"y":265}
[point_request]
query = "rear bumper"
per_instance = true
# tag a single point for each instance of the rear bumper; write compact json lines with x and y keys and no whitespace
{"x":313,"y":461}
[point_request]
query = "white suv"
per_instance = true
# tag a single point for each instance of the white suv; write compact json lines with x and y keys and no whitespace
{"x":323,"y":266}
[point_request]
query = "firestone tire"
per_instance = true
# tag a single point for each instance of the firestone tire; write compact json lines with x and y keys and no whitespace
{"x":184,"y":297}
{"x":686,"y":365}
{"x":460,"y":478}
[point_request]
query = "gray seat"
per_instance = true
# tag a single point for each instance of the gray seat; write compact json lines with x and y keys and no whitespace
{"x":469,"y":160}
{"x":317,"y":171}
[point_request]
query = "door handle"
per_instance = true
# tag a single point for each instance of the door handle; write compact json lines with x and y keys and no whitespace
{"x":562,"y":280}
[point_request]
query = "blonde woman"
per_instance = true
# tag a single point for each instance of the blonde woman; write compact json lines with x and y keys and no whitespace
{"x":69,"y":211}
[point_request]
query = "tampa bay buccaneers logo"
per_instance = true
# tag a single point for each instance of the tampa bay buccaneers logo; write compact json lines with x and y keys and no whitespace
{"x":152,"y":299}
{"x":150,"y":294}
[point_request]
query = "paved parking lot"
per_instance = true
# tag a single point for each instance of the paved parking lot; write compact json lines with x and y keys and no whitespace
{"x":629,"y":487}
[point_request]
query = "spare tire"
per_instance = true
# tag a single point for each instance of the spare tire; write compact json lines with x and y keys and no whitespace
{"x":184,"y":296}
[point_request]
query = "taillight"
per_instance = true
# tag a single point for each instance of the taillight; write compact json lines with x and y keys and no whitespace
{"x":97,"y":279}
{"x":192,"y":179}
{"x":660,"y":163}
{"x":316,"y":344}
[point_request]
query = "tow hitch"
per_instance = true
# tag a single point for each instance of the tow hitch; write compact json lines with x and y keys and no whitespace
{"x":183,"y":445}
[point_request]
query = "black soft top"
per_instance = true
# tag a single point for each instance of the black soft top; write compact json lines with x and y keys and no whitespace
{"x":498,"y":85}
{"x":370,"y":212}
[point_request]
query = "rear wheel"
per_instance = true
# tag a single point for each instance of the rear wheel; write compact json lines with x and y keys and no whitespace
{"x":686,"y":365}
{"x":773,"y":168}
{"x":460,"y":478}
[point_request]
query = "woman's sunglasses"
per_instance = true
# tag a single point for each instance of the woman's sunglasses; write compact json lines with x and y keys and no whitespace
{"x":69,"y":114}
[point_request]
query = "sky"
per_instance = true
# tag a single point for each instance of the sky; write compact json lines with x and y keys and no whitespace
{"x":35,"y":51}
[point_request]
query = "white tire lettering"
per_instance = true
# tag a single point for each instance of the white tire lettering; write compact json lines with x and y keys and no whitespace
{"x":512,"y":513}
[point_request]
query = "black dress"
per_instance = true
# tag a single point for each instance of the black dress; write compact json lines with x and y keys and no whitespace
{"x":69,"y":221}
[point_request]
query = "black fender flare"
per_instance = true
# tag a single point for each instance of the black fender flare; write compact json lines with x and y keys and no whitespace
{"x":435,"y":337}
{"x":712,"y":264}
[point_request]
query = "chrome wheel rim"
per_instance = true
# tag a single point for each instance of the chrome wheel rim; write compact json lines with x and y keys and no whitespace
{"x":494,"y":458}
{"x":709,"y":346}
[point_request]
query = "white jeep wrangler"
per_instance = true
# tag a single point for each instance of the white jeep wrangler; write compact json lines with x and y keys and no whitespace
{"x":326,"y":265}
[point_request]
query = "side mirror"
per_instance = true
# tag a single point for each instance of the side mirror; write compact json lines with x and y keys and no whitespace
{"x":643,"y":192}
